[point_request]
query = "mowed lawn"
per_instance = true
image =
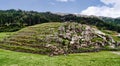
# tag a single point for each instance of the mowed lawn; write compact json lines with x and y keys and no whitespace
{"x":104,"y":58}
{"x":11,"y":58}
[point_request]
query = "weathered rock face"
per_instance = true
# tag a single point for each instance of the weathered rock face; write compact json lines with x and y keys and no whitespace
{"x":74,"y":38}
{"x":54,"y":50}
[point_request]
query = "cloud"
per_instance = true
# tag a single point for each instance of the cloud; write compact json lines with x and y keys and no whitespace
{"x":65,"y":0}
{"x":105,"y":10}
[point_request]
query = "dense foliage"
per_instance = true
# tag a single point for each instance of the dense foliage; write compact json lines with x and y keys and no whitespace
{"x":111,"y":20}
{"x":13,"y":20}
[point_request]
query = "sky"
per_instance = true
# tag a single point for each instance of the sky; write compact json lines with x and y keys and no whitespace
{"x":108,"y":8}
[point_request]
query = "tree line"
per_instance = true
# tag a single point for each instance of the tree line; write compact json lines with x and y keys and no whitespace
{"x":13,"y":20}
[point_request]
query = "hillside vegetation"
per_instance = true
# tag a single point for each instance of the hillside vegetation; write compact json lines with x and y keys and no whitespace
{"x":14,"y":20}
{"x":30,"y":39}
{"x":114,"y":34}
{"x":58,"y":38}
{"x":4,"y":35}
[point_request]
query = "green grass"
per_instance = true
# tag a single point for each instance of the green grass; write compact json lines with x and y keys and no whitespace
{"x":5,"y":34}
{"x":112,"y":33}
{"x":109,"y":32}
{"x":31,"y":39}
{"x":104,"y":58}
{"x":117,"y":38}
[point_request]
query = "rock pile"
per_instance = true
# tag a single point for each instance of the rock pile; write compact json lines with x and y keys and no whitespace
{"x":75,"y":38}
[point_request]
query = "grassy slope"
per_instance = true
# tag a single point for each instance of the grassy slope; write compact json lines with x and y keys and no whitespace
{"x":31,"y":39}
{"x":10,"y":58}
{"x":5,"y":34}
{"x":113,"y":34}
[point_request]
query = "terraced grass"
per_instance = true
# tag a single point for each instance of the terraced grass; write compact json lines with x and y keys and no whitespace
{"x":10,"y":58}
{"x":31,"y":39}
{"x":5,"y":34}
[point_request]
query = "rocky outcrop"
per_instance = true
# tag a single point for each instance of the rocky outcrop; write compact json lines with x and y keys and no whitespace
{"x":74,"y":38}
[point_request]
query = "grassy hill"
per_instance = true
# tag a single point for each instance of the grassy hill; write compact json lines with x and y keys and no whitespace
{"x":45,"y":39}
{"x":10,"y":58}
{"x":30,"y":39}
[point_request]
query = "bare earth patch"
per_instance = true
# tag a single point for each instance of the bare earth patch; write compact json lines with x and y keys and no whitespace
{"x":118,"y":53}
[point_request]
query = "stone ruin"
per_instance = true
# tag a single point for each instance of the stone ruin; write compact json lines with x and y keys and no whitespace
{"x":75,"y":38}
